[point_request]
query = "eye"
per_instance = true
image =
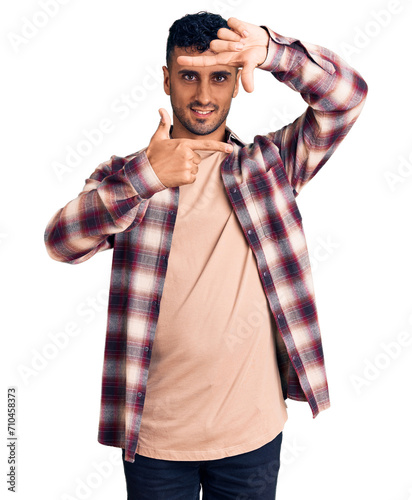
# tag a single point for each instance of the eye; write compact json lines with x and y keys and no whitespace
{"x":220,"y":78}
{"x":189,"y":77}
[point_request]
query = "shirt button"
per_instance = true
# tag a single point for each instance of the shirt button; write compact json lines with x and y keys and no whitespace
{"x":265,"y":274}
{"x":139,"y":394}
{"x":249,"y":231}
{"x":233,"y":190}
{"x":280,"y":316}
{"x":171,"y":212}
{"x":146,"y":348}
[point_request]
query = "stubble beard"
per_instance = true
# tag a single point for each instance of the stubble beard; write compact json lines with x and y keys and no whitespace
{"x":200,"y":127}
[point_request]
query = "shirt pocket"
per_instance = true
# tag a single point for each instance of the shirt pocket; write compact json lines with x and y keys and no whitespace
{"x":275,"y":203}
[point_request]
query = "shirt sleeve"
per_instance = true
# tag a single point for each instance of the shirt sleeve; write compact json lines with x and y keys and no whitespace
{"x":114,"y":199}
{"x":335,"y":94}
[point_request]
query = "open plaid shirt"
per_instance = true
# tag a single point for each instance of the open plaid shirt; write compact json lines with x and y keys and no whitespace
{"x":125,"y":207}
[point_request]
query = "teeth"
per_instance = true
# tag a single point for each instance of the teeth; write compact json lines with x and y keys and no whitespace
{"x":203,"y":112}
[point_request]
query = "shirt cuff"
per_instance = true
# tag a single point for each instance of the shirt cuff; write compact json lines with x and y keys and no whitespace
{"x":276,"y":48}
{"x":142,"y":176}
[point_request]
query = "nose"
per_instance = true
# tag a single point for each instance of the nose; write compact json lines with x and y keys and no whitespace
{"x":203,"y":93}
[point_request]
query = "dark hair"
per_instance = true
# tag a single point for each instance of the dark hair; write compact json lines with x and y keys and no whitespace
{"x":194,"y":30}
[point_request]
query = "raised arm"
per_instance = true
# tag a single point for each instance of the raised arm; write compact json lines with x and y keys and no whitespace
{"x":335,"y":94}
{"x":334,"y":91}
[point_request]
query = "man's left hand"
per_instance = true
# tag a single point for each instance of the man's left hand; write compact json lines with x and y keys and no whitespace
{"x":243,"y":45}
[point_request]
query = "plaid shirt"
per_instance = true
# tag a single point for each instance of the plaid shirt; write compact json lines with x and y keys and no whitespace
{"x":125,"y":207}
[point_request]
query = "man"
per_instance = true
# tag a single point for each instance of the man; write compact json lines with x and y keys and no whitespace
{"x":231,"y":329}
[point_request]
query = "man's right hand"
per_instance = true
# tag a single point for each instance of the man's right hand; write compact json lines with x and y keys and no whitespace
{"x":174,"y":160}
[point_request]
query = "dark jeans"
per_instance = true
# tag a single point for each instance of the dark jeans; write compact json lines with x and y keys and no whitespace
{"x":248,"y":476}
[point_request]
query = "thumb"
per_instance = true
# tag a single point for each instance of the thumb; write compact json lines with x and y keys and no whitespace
{"x":162,"y":131}
{"x":247,"y":77}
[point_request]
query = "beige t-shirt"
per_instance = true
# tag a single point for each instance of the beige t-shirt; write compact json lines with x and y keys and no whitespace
{"x":213,"y":387}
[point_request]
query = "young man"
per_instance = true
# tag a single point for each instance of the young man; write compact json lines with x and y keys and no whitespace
{"x":211,"y":284}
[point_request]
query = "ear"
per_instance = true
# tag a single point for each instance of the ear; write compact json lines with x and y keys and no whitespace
{"x":236,"y":89}
{"x":166,"y":80}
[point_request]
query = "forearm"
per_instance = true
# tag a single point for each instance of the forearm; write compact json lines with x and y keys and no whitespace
{"x":113,"y":200}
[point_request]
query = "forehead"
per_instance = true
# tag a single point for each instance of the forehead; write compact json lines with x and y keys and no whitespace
{"x":190,"y":51}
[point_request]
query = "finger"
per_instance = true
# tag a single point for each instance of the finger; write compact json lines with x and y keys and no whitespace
{"x":162,"y":131}
{"x":237,"y":26}
{"x":227,"y":34}
{"x":197,"y":60}
{"x":196,"y":158}
{"x":247,"y":77}
{"x":224,"y":46}
{"x":208,"y":145}
{"x":209,"y":60}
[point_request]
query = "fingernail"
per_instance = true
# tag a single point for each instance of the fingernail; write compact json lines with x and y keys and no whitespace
{"x":245,"y":33}
{"x":229,"y":148}
{"x":240,"y":45}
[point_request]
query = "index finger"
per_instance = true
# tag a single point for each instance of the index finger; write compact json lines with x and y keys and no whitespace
{"x":198,"y":60}
{"x":237,"y":25}
{"x":208,"y":145}
{"x":228,"y":34}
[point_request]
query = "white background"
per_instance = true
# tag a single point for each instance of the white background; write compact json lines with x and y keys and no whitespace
{"x":71,"y":73}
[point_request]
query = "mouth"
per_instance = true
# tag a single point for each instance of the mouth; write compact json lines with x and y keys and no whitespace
{"x":199,"y":113}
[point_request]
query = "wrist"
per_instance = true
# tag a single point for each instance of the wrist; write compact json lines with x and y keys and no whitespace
{"x":265,"y":36}
{"x":265,"y":45}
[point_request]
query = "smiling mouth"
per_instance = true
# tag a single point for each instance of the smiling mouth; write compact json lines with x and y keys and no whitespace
{"x":201,"y":113}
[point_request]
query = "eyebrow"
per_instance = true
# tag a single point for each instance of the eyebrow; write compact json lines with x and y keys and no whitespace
{"x":196,"y":73}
